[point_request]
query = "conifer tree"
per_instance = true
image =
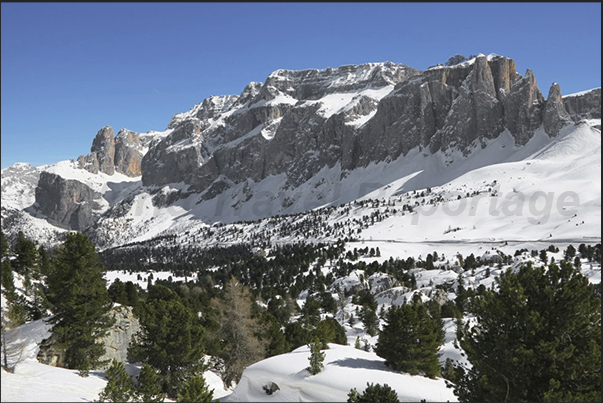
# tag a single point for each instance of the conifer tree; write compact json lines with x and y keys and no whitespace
{"x":8,"y":280}
{"x":316,"y":358}
{"x":277,"y":342}
{"x":537,"y":338}
{"x":4,"y":246}
{"x":149,"y":387}
{"x":195,"y":390}
{"x":120,"y":387}
{"x":370,"y":320}
{"x":77,"y":289}
{"x":171,"y":339}
{"x":374,"y":393}
{"x":409,"y":341}
{"x":27,"y":260}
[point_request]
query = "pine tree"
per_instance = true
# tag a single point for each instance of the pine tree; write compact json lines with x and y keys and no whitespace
{"x":538,"y":338}
{"x":149,"y":387}
{"x":570,"y":252}
{"x":120,"y":387}
{"x":4,"y":246}
{"x":370,"y":320}
{"x":409,"y":341}
{"x":374,"y":393}
{"x":8,"y":280}
{"x":297,"y":335}
{"x":78,"y":291}
{"x":27,"y":260}
{"x":316,"y":358}
{"x":171,"y":339}
{"x":195,"y":390}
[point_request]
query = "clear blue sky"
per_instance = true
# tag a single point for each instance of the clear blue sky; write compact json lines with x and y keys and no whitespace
{"x":70,"y":69}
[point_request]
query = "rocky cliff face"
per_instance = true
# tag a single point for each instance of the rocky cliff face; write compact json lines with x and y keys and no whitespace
{"x":584,"y":105}
{"x":108,"y":154}
{"x":290,"y":124}
{"x":67,"y":203}
{"x":129,"y":151}
{"x":268,"y":129}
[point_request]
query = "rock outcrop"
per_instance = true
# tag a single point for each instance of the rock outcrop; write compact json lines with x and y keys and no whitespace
{"x":584,"y":105}
{"x":102,"y":153}
{"x":122,"y":153}
{"x":116,"y":341}
{"x":67,"y":203}
{"x":128,"y":153}
{"x":555,"y":117}
{"x":121,"y":334}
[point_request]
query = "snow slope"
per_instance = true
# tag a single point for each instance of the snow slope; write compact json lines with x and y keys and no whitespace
{"x":546,"y":191}
{"x":345,"y":368}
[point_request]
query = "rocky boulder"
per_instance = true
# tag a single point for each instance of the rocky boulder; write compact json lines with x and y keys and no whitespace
{"x":121,"y":334}
{"x":116,"y":341}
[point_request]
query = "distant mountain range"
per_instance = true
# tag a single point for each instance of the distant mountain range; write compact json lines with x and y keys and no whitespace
{"x":326,"y":138}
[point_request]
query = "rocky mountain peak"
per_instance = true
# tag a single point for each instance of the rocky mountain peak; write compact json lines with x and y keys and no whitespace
{"x":299,"y":124}
{"x":555,"y":117}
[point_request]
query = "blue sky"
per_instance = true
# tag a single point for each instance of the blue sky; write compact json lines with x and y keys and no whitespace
{"x":70,"y":69}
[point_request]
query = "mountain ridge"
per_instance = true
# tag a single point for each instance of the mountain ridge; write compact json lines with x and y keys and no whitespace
{"x":295,"y":138}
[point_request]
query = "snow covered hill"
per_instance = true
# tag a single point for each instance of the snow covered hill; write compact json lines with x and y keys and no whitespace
{"x":345,"y":368}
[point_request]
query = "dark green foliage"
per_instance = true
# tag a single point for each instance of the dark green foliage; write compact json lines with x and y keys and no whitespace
{"x":449,"y":310}
{"x":281,"y":308}
{"x":538,"y":338}
{"x":316,"y":358}
{"x":374,"y":393}
{"x":78,"y":291}
{"x":275,"y":337}
{"x":124,"y":293}
{"x":570,"y":252}
{"x":149,"y":387}
{"x":297,"y":335}
{"x":8,"y":280}
{"x":328,"y":303}
{"x":330,"y":331}
{"x":119,"y":386}
{"x":451,"y":372}
{"x":4,"y":246}
{"x":27,"y":260}
{"x":195,"y":390}
{"x":543,"y":256}
{"x":171,"y":339}
{"x":310,"y":312}
{"x":409,"y":341}
{"x":370,"y":320}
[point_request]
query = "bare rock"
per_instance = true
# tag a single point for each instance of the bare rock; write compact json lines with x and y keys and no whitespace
{"x":555,"y":117}
{"x":584,"y":105}
{"x":128,"y":153}
{"x":104,"y":147}
{"x":67,"y":203}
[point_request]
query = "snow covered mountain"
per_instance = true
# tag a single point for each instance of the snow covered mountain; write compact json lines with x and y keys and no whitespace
{"x":471,"y":138}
